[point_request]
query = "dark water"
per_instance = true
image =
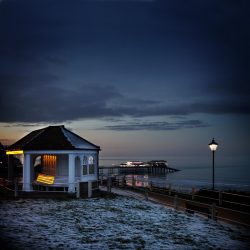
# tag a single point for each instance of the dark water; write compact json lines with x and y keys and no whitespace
{"x":226,"y":177}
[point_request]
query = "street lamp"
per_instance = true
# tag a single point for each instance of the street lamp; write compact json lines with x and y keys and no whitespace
{"x":213,"y":146}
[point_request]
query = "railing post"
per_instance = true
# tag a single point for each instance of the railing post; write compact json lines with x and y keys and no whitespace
{"x":133,"y":181}
{"x":146,"y":194}
{"x":220,"y":198}
{"x":193,"y":193}
{"x":118,"y":181}
{"x":124,"y":181}
{"x":150,"y":186}
{"x":213,"y":208}
{"x":176,"y":202}
{"x":109,"y":185}
{"x":116,"y":184}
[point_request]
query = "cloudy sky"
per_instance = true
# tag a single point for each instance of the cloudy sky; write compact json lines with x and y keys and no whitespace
{"x":137,"y":77}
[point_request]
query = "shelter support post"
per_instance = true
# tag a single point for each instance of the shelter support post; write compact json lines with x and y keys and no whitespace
{"x":71,"y":181}
{"x":27,"y":174}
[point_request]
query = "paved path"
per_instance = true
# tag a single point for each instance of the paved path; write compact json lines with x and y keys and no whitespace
{"x":123,"y":192}
{"x":134,"y":194}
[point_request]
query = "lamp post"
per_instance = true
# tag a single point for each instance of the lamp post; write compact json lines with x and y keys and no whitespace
{"x":213,"y":146}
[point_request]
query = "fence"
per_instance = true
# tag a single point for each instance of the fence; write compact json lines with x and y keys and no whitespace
{"x":217,"y":205}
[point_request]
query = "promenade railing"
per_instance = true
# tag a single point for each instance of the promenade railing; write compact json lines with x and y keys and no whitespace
{"x":216,"y":205}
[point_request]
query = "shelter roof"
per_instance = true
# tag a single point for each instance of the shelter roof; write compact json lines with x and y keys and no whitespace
{"x":53,"y":138}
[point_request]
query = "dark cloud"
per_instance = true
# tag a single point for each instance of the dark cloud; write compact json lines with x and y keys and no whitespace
{"x":8,"y":125}
{"x":226,"y":88}
{"x":58,"y":103}
{"x":212,"y":107}
{"x":55,"y":103}
{"x":57,"y":60}
{"x":221,"y":107}
{"x":156,"y":125}
{"x":63,"y":61}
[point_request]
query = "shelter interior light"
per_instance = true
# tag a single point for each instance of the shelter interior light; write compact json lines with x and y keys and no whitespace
{"x":49,"y":164}
{"x":14,"y":152}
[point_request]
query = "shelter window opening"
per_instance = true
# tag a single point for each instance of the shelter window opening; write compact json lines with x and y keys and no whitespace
{"x":85,"y":166}
{"x":91,"y":165}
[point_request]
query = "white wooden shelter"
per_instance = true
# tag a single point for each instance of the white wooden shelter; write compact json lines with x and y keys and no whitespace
{"x":54,"y":158}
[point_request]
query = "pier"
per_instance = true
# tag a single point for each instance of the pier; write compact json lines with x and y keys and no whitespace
{"x":148,"y":169}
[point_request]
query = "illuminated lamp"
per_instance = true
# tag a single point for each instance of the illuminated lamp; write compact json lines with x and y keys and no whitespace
{"x":213,"y":146}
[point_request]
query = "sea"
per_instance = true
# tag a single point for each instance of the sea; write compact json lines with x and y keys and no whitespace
{"x":197,"y":176}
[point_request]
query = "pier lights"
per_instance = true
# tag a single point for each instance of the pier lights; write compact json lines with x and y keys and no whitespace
{"x":213,"y":146}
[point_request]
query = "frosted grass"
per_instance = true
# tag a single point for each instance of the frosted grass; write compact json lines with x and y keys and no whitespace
{"x":114,"y":223}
